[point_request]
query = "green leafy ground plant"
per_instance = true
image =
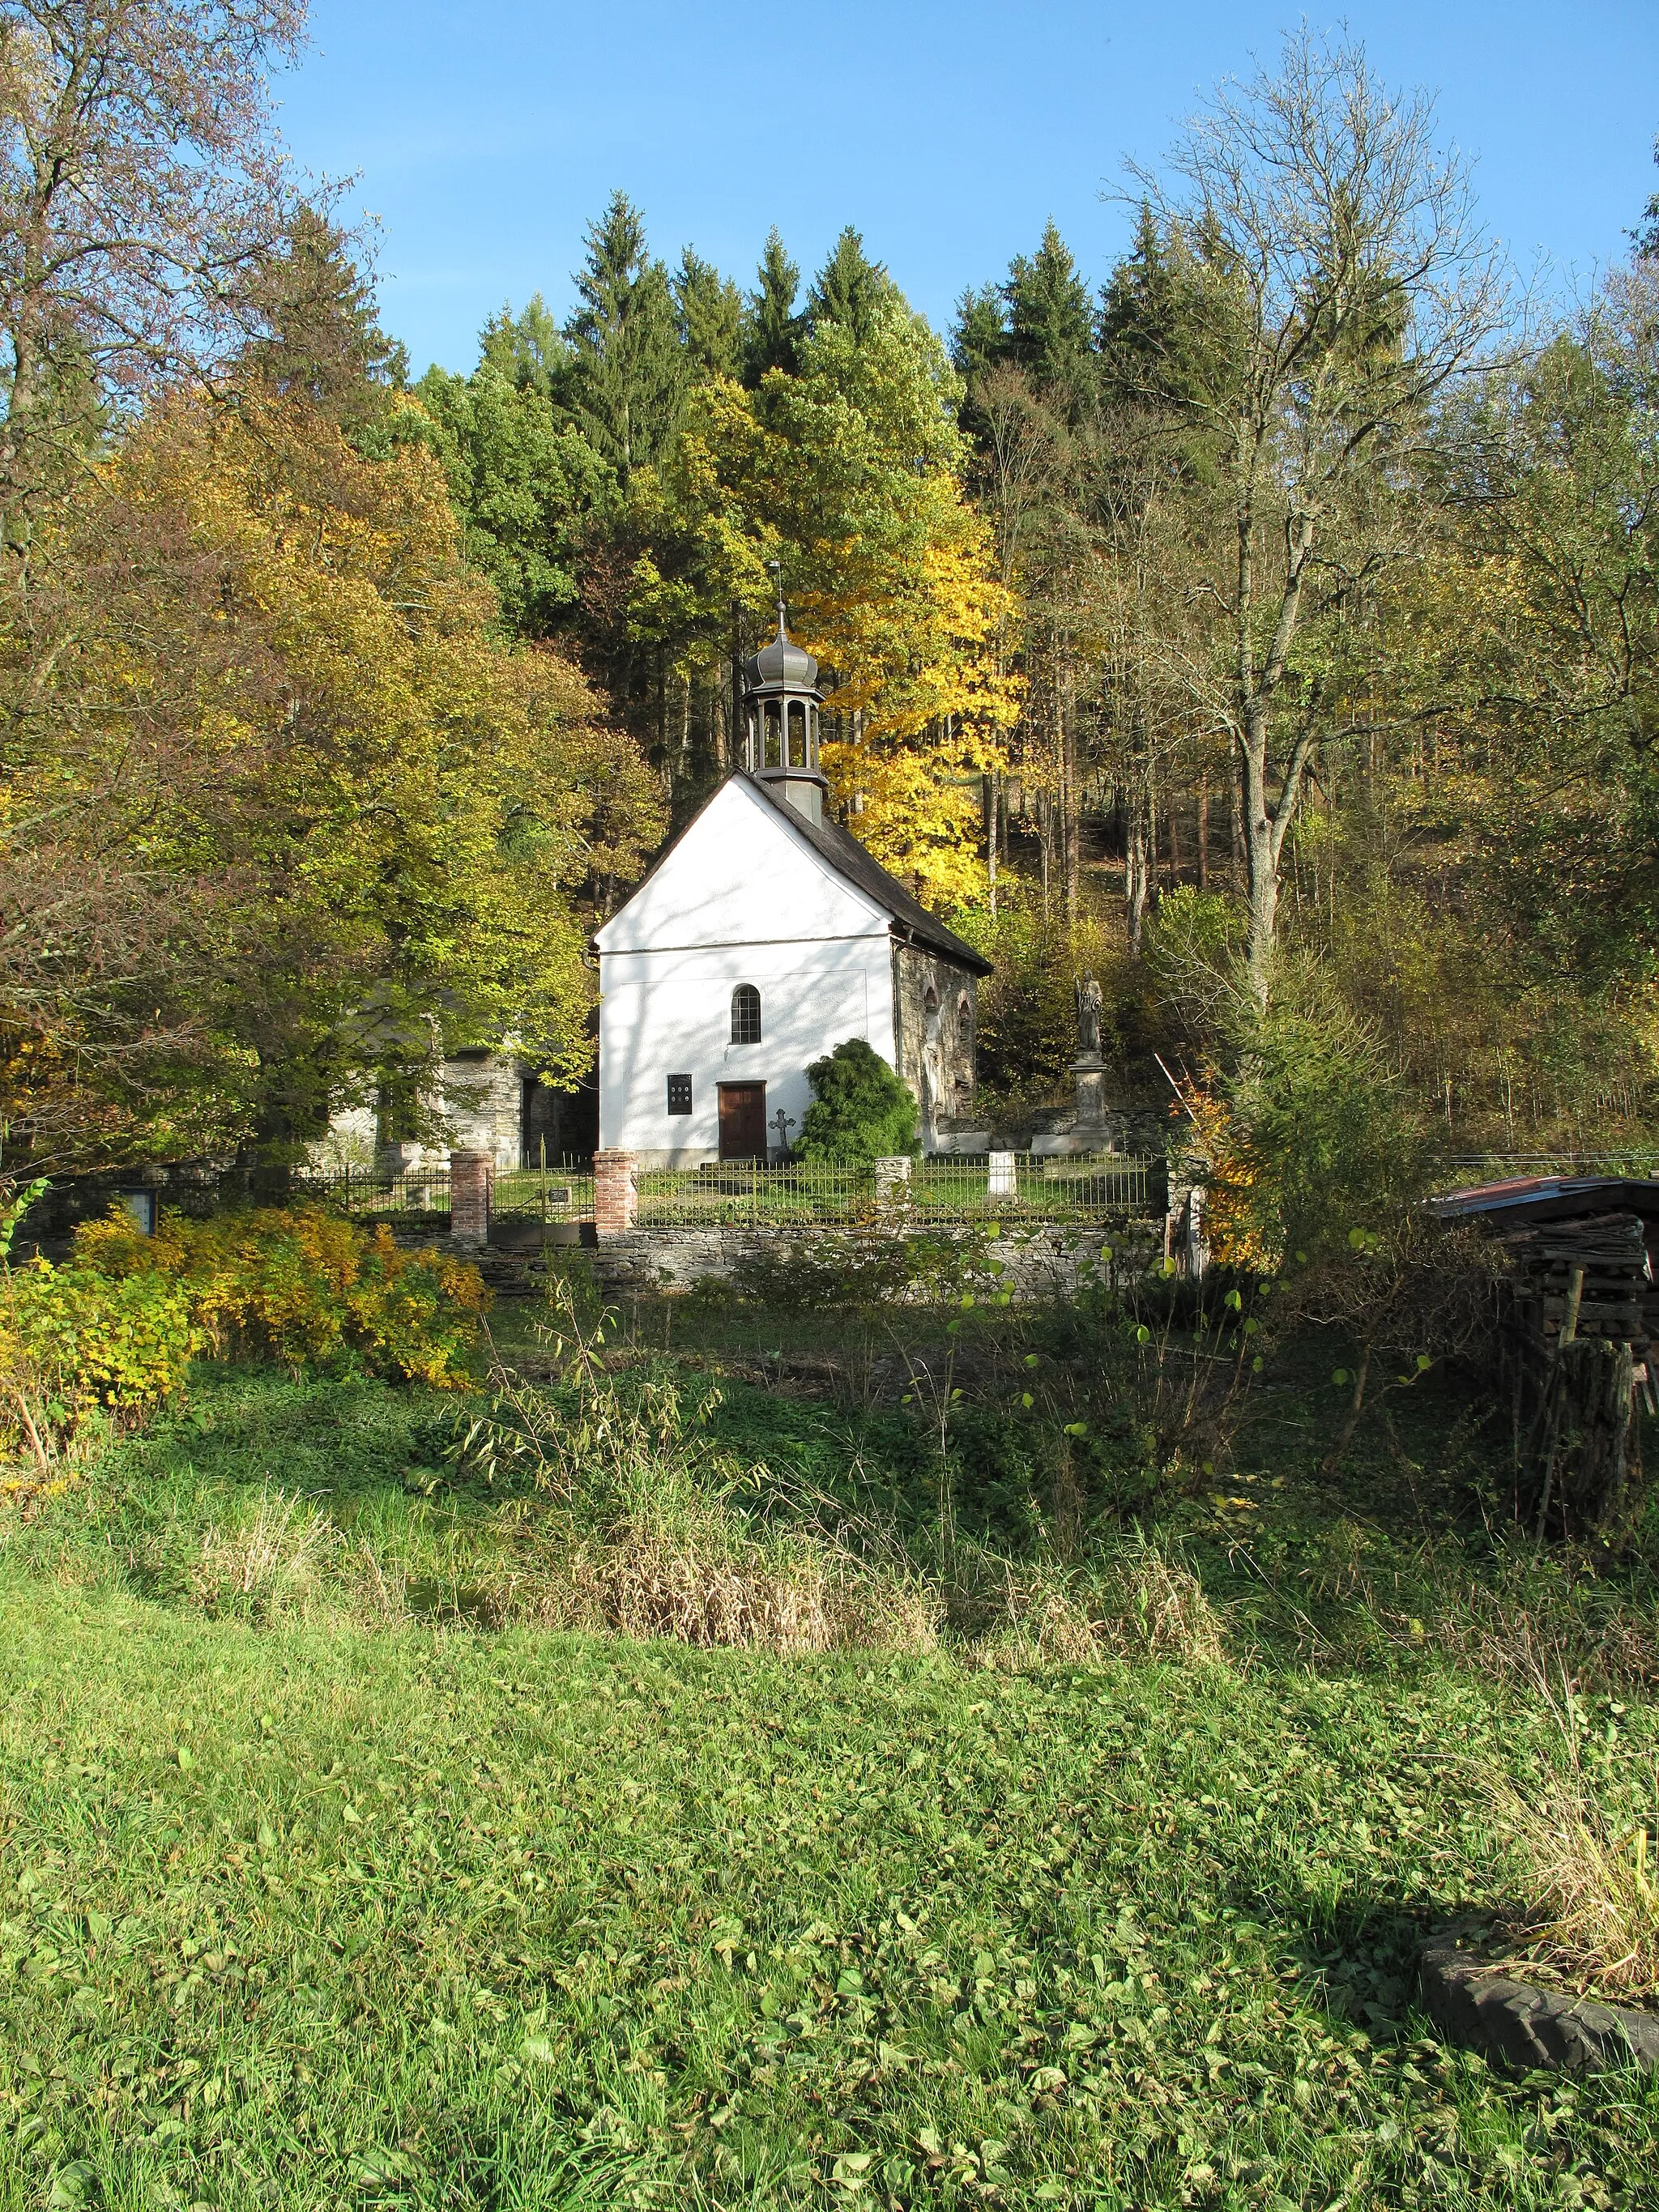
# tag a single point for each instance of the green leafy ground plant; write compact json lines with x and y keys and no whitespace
{"x":329,"y":1876}
{"x":333,"y":1914}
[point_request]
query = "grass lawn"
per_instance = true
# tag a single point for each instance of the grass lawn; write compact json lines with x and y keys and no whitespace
{"x":329,"y":1911}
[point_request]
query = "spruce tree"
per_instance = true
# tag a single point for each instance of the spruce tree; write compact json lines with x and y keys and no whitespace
{"x":1050,"y":332}
{"x":979,"y":337}
{"x":849,"y":287}
{"x":1647,"y":239}
{"x":316,"y":328}
{"x":709,"y":308}
{"x":628,"y":372}
{"x":528,"y":349}
{"x":772,"y":329}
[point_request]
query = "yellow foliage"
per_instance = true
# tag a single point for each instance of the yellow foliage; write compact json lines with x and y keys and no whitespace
{"x":306,"y":1286}
{"x":927,"y":697}
{"x":78,"y":1347}
{"x":918,"y":819}
{"x":346,"y":812}
{"x":1232,"y":1210}
{"x":850,"y":474}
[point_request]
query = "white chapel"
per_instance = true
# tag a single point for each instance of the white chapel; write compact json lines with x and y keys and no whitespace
{"x":763,"y":937}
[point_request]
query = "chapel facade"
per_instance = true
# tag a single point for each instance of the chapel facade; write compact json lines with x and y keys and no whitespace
{"x":763,"y":937}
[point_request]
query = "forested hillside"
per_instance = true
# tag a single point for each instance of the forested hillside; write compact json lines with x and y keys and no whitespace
{"x":1109,"y":1675}
{"x":1272,"y":626}
{"x":1267,"y":628}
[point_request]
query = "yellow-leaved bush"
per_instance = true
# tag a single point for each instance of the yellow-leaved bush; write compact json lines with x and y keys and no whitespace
{"x":1238,"y":1196}
{"x":304,"y":1286}
{"x":77,"y":1345}
{"x":111,"y":1335}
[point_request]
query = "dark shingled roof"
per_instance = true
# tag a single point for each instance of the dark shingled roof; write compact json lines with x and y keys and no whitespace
{"x":848,"y":857}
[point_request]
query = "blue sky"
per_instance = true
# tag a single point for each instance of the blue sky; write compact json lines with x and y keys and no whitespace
{"x":485,"y":138}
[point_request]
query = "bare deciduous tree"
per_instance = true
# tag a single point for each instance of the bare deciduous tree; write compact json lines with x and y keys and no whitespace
{"x":1336,"y":284}
{"x":139,"y":179}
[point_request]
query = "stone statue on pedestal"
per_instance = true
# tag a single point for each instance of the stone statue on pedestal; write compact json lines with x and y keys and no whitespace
{"x":1089,"y":1069}
{"x":1091,"y":1130}
{"x":1088,"y":1019}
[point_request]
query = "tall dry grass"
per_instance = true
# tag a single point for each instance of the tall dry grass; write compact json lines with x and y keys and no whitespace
{"x":642,"y":1532}
{"x":1144,"y":1603}
{"x":1590,"y":1880}
{"x":618,"y":1514}
{"x":656,"y":1582}
{"x":265,"y":1565}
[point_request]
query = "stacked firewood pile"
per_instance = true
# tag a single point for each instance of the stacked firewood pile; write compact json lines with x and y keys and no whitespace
{"x":1581,"y":1309}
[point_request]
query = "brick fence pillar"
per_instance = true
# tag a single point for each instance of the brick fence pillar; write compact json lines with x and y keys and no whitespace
{"x":471,"y":1177}
{"x":616,"y":1195}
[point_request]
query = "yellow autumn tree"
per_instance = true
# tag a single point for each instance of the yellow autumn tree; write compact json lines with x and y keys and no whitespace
{"x":351,"y":825}
{"x":848,"y":472}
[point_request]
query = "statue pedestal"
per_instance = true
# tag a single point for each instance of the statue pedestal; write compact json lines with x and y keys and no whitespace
{"x":1090,"y":1131}
{"x":1089,"y":1072}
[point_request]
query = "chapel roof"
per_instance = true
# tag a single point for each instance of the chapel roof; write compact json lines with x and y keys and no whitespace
{"x":848,"y":857}
{"x":844,"y":854}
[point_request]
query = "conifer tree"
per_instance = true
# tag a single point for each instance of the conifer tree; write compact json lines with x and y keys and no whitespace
{"x":709,"y":309}
{"x":1647,"y":239}
{"x":979,"y":337}
{"x":849,"y":287}
{"x":318,"y":336}
{"x":772,"y":329}
{"x":1051,"y":328}
{"x":528,"y":349}
{"x":628,"y":376}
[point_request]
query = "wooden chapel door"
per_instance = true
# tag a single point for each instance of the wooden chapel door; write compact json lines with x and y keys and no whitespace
{"x":742,"y":1121}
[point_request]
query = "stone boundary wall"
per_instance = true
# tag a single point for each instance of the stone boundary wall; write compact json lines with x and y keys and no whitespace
{"x":1041,"y":1260}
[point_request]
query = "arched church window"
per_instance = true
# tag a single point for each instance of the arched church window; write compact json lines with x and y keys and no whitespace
{"x":745,"y":1015}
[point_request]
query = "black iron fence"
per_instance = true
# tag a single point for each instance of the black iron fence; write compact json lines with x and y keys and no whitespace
{"x":946,"y":1188}
{"x":417,"y":1195}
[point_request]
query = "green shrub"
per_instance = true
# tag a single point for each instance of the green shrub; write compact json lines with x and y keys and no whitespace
{"x":1311,"y":1134}
{"x":860,"y":1110}
{"x":78,"y":1347}
{"x":111,"y":1335}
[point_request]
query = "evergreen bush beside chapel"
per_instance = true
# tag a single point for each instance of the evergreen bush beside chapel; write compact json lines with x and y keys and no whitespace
{"x":860,"y":1110}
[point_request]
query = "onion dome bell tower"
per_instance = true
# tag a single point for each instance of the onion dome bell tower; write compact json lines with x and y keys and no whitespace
{"x":781,"y":707}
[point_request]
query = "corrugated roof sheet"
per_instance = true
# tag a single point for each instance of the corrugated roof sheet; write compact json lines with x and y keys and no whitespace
{"x":1554,"y":1197}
